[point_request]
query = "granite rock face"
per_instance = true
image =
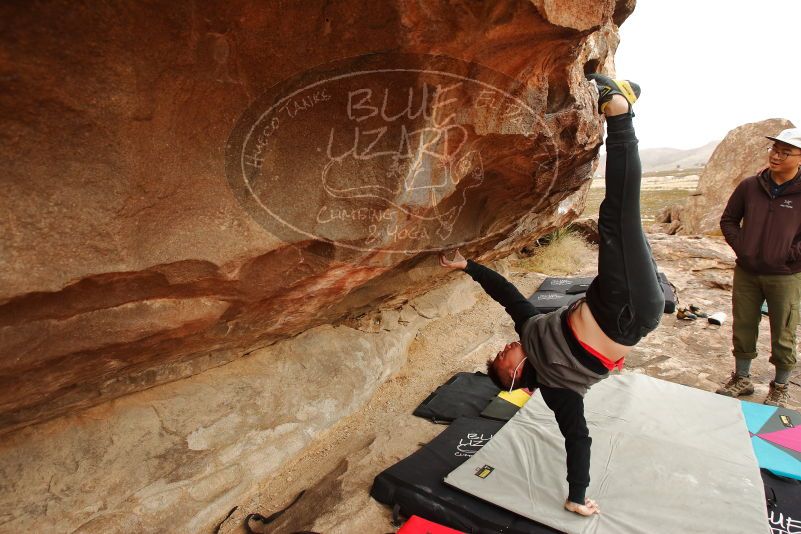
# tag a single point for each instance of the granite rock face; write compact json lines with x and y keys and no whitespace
{"x":188,"y":185}
{"x":177,"y":457}
{"x":741,"y":154}
{"x":588,"y":229}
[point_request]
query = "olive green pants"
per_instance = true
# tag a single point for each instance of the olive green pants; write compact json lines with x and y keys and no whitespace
{"x":783,"y":294}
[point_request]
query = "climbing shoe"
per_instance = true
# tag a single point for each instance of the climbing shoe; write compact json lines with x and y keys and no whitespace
{"x":736,"y":386}
{"x":698,"y":312}
{"x":607,"y":88}
{"x":778,"y":394}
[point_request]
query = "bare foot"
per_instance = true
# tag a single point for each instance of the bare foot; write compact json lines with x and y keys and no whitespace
{"x":588,"y":508}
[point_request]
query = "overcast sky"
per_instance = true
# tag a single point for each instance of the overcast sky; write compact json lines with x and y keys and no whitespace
{"x":707,"y":66}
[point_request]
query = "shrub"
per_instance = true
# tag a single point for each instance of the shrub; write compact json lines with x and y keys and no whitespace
{"x":561,"y":253}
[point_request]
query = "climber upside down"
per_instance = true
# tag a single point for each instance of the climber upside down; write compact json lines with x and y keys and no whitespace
{"x":564,"y":352}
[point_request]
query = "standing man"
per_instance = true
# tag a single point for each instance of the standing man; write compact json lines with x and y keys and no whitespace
{"x":768,"y":248}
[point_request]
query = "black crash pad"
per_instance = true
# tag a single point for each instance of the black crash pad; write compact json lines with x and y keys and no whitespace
{"x":783,"y":496}
{"x":556,"y":292}
{"x":415,"y":484}
{"x":463,"y":395}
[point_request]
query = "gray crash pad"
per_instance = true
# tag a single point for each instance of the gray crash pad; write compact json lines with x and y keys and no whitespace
{"x":665,"y":458}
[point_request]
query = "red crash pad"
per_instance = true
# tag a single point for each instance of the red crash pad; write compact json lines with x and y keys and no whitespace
{"x":418,"y":525}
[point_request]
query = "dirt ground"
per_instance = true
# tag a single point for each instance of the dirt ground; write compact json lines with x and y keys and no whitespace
{"x":336,"y":471}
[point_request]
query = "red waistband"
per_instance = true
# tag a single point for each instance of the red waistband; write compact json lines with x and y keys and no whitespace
{"x":609,"y":364}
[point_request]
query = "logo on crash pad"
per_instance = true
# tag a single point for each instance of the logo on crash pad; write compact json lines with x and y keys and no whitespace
{"x":485,"y":471}
{"x":390,"y":153}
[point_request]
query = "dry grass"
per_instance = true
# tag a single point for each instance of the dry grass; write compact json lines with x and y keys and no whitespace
{"x":675,"y":172}
{"x":564,"y":254}
{"x":654,"y":197}
{"x":651,"y":202}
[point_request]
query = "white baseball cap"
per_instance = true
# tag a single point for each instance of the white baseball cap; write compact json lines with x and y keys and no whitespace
{"x":790,"y":136}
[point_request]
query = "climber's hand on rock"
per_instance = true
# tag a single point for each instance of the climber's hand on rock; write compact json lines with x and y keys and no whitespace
{"x":458,"y":261}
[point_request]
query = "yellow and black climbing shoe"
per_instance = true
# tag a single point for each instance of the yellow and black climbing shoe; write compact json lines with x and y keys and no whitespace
{"x":607,"y":87}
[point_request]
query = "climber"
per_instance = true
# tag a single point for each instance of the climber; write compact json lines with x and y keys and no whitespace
{"x":566,"y":351}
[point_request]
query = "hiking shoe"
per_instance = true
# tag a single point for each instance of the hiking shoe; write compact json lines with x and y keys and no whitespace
{"x":607,"y":88}
{"x":736,"y":386}
{"x":778,"y":394}
{"x":685,"y":314}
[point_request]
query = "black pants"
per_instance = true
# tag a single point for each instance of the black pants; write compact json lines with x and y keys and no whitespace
{"x":626,"y":298}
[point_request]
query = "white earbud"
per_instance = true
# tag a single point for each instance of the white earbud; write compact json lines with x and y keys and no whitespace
{"x":515,"y":374}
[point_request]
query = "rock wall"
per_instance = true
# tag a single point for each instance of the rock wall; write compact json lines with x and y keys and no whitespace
{"x":741,"y":154}
{"x":190,"y":186}
{"x":132,"y":257}
{"x":178,"y":457}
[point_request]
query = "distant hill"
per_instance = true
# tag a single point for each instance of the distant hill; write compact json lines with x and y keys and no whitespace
{"x":665,"y":159}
